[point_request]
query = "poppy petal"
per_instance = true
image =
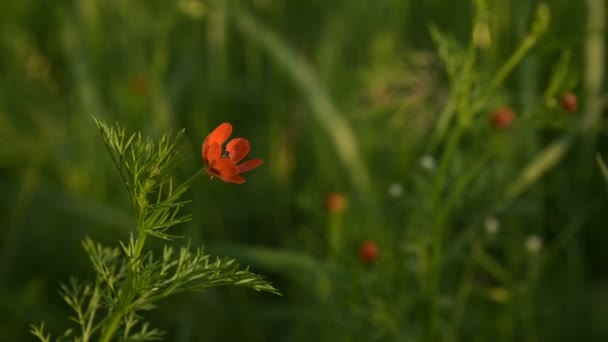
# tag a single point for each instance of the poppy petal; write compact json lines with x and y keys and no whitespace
{"x":237,"y":149}
{"x":250,"y":165}
{"x":214,"y":152}
{"x":233,"y":179}
{"x":220,"y":134}
{"x":225,"y":167}
{"x":205,"y":148}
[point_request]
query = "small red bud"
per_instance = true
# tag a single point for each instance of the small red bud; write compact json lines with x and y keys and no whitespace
{"x":569,"y":102}
{"x":335,"y":202}
{"x":502,"y":117}
{"x":368,"y":252}
{"x":139,"y":84}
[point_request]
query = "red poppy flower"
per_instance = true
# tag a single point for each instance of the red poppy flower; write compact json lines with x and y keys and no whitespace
{"x":369,"y":251}
{"x":569,"y":102}
{"x":222,"y":163}
{"x":502,"y":117}
{"x":335,"y":202}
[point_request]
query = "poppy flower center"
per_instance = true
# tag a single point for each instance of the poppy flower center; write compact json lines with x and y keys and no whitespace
{"x":225,"y":154}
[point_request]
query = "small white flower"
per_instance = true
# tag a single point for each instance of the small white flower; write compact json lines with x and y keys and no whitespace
{"x":492,"y":225}
{"x":534,"y":244}
{"x":427,"y":162}
{"x":395,"y":190}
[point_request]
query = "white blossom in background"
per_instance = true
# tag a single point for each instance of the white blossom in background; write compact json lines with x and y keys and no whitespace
{"x":534,"y":244}
{"x":428,"y":163}
{"x":395,"y":190}
{"x":492,"y":225}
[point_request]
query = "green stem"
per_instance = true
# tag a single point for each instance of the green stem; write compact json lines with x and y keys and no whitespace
{"x":126,"y":293}
{"x":465,"y":288}
{"x":112,"y":327}
{"x":438,"y":230}
{"x":539,"y":26}
{"x":334,"y":227}
{"x":594,"y":67}
{"x":116,"y":317}
{"x":513,"y":61}
{"x":139,"y":247}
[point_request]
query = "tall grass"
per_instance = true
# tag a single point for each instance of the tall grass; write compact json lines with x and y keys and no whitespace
{"x":483,"y":233}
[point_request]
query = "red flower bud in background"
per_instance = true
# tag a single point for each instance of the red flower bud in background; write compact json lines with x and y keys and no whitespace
{"x":139,"y":85}
{"x":569,"y":102}
{"x":368,"y":252}
{"x":502,"y":117}
{"x":335,"y":202}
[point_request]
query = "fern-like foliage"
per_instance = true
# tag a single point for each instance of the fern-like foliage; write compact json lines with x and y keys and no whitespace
{"x":129,"y":279}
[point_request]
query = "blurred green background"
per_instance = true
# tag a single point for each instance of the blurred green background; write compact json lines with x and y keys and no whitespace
{"x":483,"y":234}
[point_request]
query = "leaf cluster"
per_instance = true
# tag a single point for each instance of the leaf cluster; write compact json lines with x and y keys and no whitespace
{"x":129,"y":279}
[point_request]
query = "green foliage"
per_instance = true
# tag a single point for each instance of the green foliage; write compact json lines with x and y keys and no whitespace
{"x":132,"y":280}
{"x":483,"y":232}
{"x":145,"y":168}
